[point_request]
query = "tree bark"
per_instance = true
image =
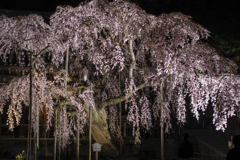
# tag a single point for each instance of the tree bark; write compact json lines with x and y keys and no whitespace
{"x":101,"y":133}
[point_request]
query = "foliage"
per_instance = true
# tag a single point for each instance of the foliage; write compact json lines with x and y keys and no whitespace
{"x":163,"y":55}
{"x":226,"y":44}
{"x":19,"y":157}
{"x":48,"y":155}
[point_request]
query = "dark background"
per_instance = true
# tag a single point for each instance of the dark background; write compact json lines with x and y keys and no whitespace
{"x":221,"y":17}
{"x":217,"y":13}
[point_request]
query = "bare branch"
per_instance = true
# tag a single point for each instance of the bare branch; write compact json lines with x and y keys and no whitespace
{"x":23,"y":48}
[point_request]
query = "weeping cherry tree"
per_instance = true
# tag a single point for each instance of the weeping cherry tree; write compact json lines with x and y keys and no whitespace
{"x":166,"y":56}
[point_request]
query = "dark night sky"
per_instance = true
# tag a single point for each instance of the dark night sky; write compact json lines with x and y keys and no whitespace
{"x":215,"y":15}
{"x":212,"y":14}
{"x":221,"y":17}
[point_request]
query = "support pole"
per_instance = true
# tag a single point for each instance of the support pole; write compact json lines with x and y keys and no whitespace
{"x":38,"y":133}
{"x":96,"y":155}
{"x":78,"y":134}
{"x":55,"y":138}
{"x":30,"y":112}
{"x":90,"y":128}
{"x":37,"y":140}
{"x":66,"y":68}
{"x":120,"y":112}
{"x":59,"y":123}
{"x":77,"y":144}
{"x":64,"y":108}
{"x":162,"y":135}
{"x":64,"y":121}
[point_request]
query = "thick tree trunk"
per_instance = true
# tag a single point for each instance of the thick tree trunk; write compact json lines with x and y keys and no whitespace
{"x":101,"y":134}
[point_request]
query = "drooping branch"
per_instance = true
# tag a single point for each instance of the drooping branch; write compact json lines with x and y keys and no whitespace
{"x":122,"y":97}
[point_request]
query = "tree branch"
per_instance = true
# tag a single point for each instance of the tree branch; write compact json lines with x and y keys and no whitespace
{"x":23,"y":48}
{"x":122,"y":97}
{"x":221,"y":75}
{"x":132,"y":66}
{"x":40,"y":53}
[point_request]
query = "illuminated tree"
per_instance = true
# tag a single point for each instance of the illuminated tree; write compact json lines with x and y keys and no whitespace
{"x":164,"y":55}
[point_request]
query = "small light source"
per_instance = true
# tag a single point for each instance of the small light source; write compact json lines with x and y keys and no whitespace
{"x":84,"y":74}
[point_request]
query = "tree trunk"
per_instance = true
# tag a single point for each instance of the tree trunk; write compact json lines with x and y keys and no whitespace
{"x":101,"y":134}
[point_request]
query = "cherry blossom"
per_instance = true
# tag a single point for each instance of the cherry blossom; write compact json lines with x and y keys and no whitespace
{"x":129,"y":55}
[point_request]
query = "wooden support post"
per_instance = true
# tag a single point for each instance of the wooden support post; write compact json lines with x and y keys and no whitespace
{"x":120,"y":112}
{"x":96,"y":156}
{"x":30,"y":113}
{"x":37,"y":139}
{"x":38,"y":133}
{"x":77,"y":144}
{"x":61,"y":109}
{"x":59,"y":123}
{"x":78,"y":134}
{"x":90,"y":128}
{"x":64,"y":121}
{"x":55,"y":138}
{"x":162,"y":135}
{"x":66,"y":68}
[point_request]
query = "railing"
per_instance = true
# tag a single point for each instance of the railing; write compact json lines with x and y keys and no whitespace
{"x":202,"y":152}
{"x":204,"y":148}
{"x":155,"y":131}
{"x":21,"y":131}
{"x":174,"y":156}
{"x":233,"y":128}
{"x":197,"y":156}
{"x":8,"y":72}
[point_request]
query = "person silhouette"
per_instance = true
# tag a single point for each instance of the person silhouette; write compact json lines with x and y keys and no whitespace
{"x":230,"y":143}
{"x":234,"y":153}
{"x":185,"y":148}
